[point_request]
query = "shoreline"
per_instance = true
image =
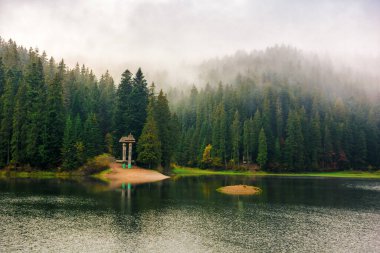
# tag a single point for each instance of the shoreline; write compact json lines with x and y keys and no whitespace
{"x":186,"y":172}
{"x":338,"y":174}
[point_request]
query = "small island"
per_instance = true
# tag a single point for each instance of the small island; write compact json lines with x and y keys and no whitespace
{"x":116,"y":175}
{"x":239,"y":190}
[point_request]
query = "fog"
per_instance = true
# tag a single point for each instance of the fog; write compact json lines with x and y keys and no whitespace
{"x":167,"y":37}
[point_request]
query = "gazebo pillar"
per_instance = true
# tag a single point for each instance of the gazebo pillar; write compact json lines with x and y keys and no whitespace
{"x":129,"y":155}
{"x":124,"y":152}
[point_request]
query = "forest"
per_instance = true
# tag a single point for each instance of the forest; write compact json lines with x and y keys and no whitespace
{"x":276,"y":109}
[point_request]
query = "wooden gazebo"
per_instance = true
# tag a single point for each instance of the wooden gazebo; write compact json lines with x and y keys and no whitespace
{"x":127,"y":139}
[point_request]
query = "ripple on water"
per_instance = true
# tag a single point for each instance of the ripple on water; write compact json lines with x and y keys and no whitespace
{"x":68,"y":223}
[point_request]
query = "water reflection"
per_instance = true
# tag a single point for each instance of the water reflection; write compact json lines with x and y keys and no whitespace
{"x":188,"y":214}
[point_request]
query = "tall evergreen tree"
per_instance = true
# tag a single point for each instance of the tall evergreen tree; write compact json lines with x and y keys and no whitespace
{"x":149,"y":145}
{"x":262,"y":156}
{"x":55,"y":117}
{"x":294,"y":143}
{"x":92,"y":137}
{"x":163,"y":118}
{"x":139,"y":103}
{"x":235,"y":137}
{"x":36,"y":114}
{"x":122,"y":118}
{"x":18,"y":141}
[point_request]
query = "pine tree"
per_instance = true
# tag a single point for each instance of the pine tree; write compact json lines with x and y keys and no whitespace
{"x":107,"y":96}
{"x":256,"y":127}
{"x":7,"y":104}
{"x":139,"y":102}
{"x":247,"y":137}
{"x":36,"y":115}
{"x":262,"y":156}
{"x":235,"y":137}
{"x":68,"y":149}
{"x":19,"y":126}
{"x":55,"y":117}
{"x":294,"y":143}
{"x":315,"y":144}
{"x":123,"y":112}
{"x":92,"y":138}
{"x":149,"y":145}
{"x":2,"y":78}
{"x":162,"y":117}
{"x":175,"y":133}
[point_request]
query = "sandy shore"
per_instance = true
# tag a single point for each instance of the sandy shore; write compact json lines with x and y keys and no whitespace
{"x":117,"y":176}
{"x":239,"y":190}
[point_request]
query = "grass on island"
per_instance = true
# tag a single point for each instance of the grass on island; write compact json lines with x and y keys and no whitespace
{"x":182,"y":171}
{"x":101,"y":175}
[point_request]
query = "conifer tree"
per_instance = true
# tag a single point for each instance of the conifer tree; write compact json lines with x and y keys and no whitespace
{"x":123,"y":112}
{"x":68,"y":148}
{"x":247,"y":137}
{"x":163,"y":118}
{"x":7,"y":104}
{"x":2,"y":78}
{"x":139,"y":103}
{"x":18,"y":141}
{"x":92,"y":138}
{"x":36,"y":114}
{"x":294,"y":143}
{"x":149,"y":145}
{"x":55,"y":117}
{"x":262,"y":156}
{"x":235,"y":137}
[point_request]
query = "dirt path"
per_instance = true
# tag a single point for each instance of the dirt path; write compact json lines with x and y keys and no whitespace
{"x":135,"y":175}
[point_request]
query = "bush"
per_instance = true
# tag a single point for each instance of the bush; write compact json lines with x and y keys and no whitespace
{"x":96,"y":164}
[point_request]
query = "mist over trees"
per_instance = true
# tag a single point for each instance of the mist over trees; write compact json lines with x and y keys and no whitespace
{"x":277,"y":109}
{"x":52,"y":116}
{"x":313,"y":117}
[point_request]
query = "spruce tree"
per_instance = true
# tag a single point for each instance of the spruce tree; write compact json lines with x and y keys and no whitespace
{"x":36,"y":114}
{"x":149,"y":145}
{"x":139,"y":102}
{"x":262,"y":156}
{"x":19,"y":126}
{"x":2,"y":78}
{"x":294,"y":143}
{"x":163,"y":118}
{"x":7,"y":104}
{"x":92,"y":138}
{"x":247,"y":137}
{"x":235,"y":137}
{"x":69,"y":160}
{"x":55,"y":117}
{"x":123,"y":112}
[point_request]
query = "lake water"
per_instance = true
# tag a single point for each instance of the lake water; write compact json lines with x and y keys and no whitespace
{"x":188,"y":215}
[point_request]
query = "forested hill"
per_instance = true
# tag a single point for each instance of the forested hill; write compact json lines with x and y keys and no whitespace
{"x":282,"y":110}
{"x":52,"y":116}
{"x":278,"y":109}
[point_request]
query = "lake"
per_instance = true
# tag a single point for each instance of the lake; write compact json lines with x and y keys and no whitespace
{"x":187,"y":215}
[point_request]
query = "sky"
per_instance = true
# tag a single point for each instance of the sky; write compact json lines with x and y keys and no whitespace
{"x":162,"y":35}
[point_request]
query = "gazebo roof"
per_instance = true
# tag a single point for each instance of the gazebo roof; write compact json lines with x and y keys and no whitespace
{"x":128,"y":138}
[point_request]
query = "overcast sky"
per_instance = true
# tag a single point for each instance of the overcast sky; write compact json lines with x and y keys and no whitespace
{"x":121,"y":34}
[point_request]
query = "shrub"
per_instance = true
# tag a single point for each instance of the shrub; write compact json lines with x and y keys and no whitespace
{"x":96,"y":164}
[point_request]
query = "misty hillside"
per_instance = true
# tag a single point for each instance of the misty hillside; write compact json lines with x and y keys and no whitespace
{"x":305,"y":113}
{"x":278,"y":109}
{"x":289,"y":66}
